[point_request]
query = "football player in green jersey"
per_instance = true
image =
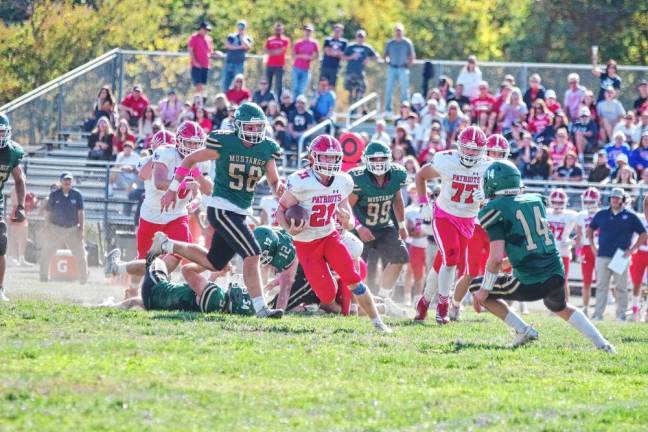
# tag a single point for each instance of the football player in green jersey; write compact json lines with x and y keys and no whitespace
{"x":517,"y":227}
{"x":242,"y":157}
{"x":376,"y":193}
{"x":11,"y":155}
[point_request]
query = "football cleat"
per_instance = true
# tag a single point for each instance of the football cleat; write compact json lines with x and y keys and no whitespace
{"x":3,"y":297}
{"x":454,"y":312}
{"x":157,"y":247}
{"x":608,"y":348}
{"x":393,"y":310}
{"x":266,"y":312}
{"x":382,"y":327}
{"x":529,"y":334}
{"x":422,"y":307}
{"x":110,"y":267}
{"x":442,"y":310}
{"x":634,"y":317}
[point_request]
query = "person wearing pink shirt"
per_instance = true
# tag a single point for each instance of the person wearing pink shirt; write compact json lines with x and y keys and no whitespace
{"x":304,"y":51}
{"x":276,"y":47}
{"x":559,"y":148}
{"x":201,"y":48}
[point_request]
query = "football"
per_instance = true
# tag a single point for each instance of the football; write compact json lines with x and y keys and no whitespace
{"x":296,"y":213}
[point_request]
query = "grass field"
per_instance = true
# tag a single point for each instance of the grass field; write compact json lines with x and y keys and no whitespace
{"x":65,"y":367}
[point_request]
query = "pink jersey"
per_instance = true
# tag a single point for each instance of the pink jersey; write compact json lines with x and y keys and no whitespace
{"x":319,"y":200}
{"x":562,"y":224}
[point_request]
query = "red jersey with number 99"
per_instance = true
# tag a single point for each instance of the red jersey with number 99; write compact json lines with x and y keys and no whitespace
{"x":319,"y":200}
{"x":458,"y":183}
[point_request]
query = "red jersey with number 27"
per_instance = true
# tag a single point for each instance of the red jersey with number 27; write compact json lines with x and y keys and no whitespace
{"x":320,"y":201}
{"x":458,"y":183}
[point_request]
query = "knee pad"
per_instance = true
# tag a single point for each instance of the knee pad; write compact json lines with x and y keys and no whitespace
{"x":360,"y":289}
{"x":3,"y":238}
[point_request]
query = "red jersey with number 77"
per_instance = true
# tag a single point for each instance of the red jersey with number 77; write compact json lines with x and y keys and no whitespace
{"x":458,"y":183}
{"x":319,"y":200}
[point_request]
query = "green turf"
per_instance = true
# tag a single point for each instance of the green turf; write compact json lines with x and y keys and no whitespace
{"x":71,"y":368}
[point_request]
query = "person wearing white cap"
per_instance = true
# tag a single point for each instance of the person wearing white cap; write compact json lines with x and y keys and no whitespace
{"x":584,"y":131}
{"x":574,"y":96}
{"x":616,"y":226}
{"x":552,"y":101}
{"x":617,"y":147}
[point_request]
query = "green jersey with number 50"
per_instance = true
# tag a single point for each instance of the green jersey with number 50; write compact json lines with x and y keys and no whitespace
{"x":375,"y":202}
{"x":238,"y":169}
{"x":521,"y":221}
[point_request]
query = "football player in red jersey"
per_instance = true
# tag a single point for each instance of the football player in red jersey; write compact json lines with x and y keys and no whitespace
{"x":323,"y":190}
{"x":174,"y":222}
{"x":562,"y":222}
{"x":453,"y":214}
{"x":591,"y":199}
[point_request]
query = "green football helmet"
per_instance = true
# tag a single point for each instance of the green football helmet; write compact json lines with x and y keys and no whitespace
{"x":268,"y":240}
{"x":374,"y":151}
{"x":502,"y":178}
{"x":213,"y":299}
{"x":5,"y":130}
{"x":240,"y":302}
{"x":250,"y":122}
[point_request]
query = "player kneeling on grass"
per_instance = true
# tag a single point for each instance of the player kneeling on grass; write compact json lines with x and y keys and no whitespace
{"x":517,"y":226}
{"x":322,"y":190}
{"x":197,"y":295}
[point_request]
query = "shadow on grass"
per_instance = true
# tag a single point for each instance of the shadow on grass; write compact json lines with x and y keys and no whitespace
{"x":237,"y":323}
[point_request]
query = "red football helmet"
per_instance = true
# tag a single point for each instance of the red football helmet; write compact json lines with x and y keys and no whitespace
{"x":591,"y":198}
{"x":558,"y":199}
{"x":190,"y":137}
{"x":162,"y":137}
{"x":497,"y":147}
{"x":325,"y":155}
{"x":472,"y":145}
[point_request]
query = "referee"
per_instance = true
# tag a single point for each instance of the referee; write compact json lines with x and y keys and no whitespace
{"x":64,"y":224}
{"x":616,"y":226}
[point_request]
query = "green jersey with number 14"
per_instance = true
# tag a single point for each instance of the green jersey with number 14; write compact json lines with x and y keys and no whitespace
{"x":238,"y":169}
{"x":521,"y":221}
{"x":375,"y":202}
{"x":10,"y":158}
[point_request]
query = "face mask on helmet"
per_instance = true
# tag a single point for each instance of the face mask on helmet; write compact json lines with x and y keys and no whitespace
{"x":327,"y":163}
{"x":188,"y":146}
{"x":469,"y":155}
{"x":558,"y":201}
{"x":378,"y":164}
{"x":5,"y":135}
{"x":472,"y":145}
{"x":252,"y":131}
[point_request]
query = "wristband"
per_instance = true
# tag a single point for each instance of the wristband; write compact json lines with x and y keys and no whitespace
{"x":182,"y":171}
{"x":182,"y":187}
{"x":175,"y":184}
{"x":489,"y":281}
{"x":357,"y":224}
{"x":401,"y":224}
{"x":424,"y":200}
{"x":195,"y":172}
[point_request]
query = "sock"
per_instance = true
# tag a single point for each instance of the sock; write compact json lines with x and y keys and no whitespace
{"x":587,"y":329}
{"x":456,"y":303}
{"x":635,"y":301}
{"x":431,"y":285}
{"x":168,"y":246}
{"x":120,"y":268}
{"x":513,"y":320}
{"x":259,"y":303}
{"x":446,"y":279}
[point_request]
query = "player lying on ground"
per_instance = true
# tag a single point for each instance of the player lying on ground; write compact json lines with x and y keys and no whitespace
{"x":322,"y":190}
{"x":517,"y":227}
{"x":198,"y":294}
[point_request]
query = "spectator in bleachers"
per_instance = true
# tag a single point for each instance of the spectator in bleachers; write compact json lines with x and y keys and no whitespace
{"x":510,"y":79}
{"x":402,"y":139}
{"x":429,"y":149}
{"x":526,"y":151}
{"x":201,"y":48}
{"x":305,"y":51}
{"x":100,"y":141}
{"x":445,"y":88}
{"x":622,"y":162}
{"x":64,"y":226}
{"x":236,"y":46}
{"x":169,"y":110}
{"x":228,"y":122}
{"x":300,"y":119}
{"x":133,"y":106}
{"x":412,"y":166}
{"x":451,"y":122}
{"x":552,"y":101}
{"x":415,"y":130}
{"x":263,"y":96}
{"x":616,"y":147}
{"x":534,"y":92}
{"x":145,"y":127}
{"x":286,"y":104}
{"x":238,"y":93}
{"x":558,"y":121}
{"x":399,"y":154}
{"x":515,"y":133}
{"x":639,"y":156}
{"x":482,"y":106}
{"x":418,"y":103}
{"x":503,"y":96}
{"x":460,"y":97}
{"x":601,"y":170}
{"x":624,"y":176}
{"x":404,"y":112}
{"x":631,"y":131}
{"x":513,"y":109}
{"x":276,"y":47}
{"x":584,"y":132}
{"x":574,"y":96}
{"x":590,"y":103}
{"x":609,"y":78}
{"x":323,"y":102}
{"x":541,"y":167}
{"x":539,"y":117}
{"x":470,"y":78}
{"x":609,"y":111}
{"x":570,"y":169}
{"x":399,"y":54}
{"x":435,"y":94}
{"x":122,"y":135}
{"x":334,"y":48}
{"x":357,"y":55}
{"x":560,"y":146}
{"x":123,"y":174}
{"x":280,"y":133}
{"x":643,"y":124}
{"x":186,"y":113}
{"x":379,"y":132}
{"x":221,"y":107}
{"x":198,"y":102}
{"x":430,"y":114}
{"x":272,"y":111}
{"x":202,"y":118}
{"x":641,"y":103}
{"x":104,"y":106}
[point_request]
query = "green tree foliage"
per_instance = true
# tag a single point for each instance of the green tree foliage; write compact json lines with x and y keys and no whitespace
{"x":41,"y":39}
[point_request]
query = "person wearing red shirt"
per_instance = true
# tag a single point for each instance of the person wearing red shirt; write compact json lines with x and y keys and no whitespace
{"x":505,"y":91}
{"x":201,"y":49}
{"x":539,"y":117}
{"x":238,"y":93}
{"x":202,"y":118}
{"x":304,"y":51}
{"x":133,"y":106}
{"x":276,"y":47}
{"x":552,"y":102}
{"x":482,"y":105}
